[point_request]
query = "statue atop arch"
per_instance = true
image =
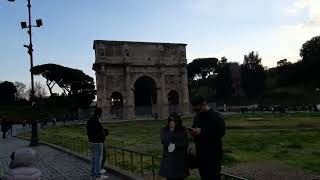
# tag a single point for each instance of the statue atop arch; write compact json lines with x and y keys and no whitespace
{"x":140,"y":79}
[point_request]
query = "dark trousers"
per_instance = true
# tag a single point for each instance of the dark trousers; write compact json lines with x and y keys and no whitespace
{"x":210,"y":172}
{"x":4,"y":134}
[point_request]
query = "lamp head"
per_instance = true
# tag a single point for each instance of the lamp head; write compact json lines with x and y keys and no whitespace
{"x":23,"y":25}
{"x":39,"y":22}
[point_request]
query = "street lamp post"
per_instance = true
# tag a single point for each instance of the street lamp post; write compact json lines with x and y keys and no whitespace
{"x":34,"y":137}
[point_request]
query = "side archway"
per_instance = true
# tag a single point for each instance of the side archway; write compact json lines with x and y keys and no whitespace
{"x":116,"y":105}
{"x":173,"y":101}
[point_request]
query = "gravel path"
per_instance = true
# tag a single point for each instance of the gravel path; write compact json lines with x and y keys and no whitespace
{"x":269,"y":171}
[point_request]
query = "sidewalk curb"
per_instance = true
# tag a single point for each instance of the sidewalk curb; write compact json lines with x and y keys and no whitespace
{"x":113,"y":170}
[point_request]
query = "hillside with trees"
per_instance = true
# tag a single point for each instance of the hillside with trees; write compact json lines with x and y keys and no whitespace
{"x":287,"y":83}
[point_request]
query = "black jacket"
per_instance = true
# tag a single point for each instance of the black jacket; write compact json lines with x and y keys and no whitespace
{"x":209,"y":142}
{"x":173,"y":165}
{"x":95,"y":131}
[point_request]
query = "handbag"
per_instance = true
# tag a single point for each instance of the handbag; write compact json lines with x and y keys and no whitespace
{"x":191,"y":160}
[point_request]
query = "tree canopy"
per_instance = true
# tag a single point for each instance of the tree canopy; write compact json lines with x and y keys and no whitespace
{"x":202,"y":67}
{"x":252,"y":74}
{"x":7,"y":92}
{"x":74,"y":83}
{"x":311,"y":48}
{"x":223,"y":79}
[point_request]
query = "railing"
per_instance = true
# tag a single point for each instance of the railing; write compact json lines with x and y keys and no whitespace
{"x":135,"y":162}
{"x":143,"y":164}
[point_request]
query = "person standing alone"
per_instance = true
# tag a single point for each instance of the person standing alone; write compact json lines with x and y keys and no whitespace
{"x":96,"y":136}
{"x":208,"y":130}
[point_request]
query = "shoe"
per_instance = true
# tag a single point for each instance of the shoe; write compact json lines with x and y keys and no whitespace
{"x":102,"y":171}
{"x":102,"y":177}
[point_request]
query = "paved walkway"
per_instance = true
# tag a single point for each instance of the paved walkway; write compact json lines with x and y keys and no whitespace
{"x":54,"y":164}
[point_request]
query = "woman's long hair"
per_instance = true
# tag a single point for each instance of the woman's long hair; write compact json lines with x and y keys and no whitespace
{"x":176,"y":117}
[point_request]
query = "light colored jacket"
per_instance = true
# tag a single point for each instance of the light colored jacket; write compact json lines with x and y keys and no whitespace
{"x":23,"y":173}
{"x":21,"y":166}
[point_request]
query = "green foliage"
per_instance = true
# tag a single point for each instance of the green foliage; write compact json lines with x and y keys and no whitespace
{"x":223,"y":80}
{"x":7,"y":92}
{"x":311,"y":48}
{"x":210,"y":77}
{"x":283,"y":62}
{"x":202,"y":67}
{"x":252,"y":74}
{"x":78,"y":86}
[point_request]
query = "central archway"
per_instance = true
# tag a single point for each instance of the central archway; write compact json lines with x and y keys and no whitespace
{"x":145,"y":96}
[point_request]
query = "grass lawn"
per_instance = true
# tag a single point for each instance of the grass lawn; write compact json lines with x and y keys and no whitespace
{"x":300,"y":148}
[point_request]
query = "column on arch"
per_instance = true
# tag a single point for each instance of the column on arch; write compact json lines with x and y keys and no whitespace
{"x":184,"y":100}
{"x":102,"y":96}
{"x":128,"y":104}
{"x":163,"y":101}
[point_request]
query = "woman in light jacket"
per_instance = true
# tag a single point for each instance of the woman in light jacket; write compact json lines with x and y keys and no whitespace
{"x":21,"y":166}
{"x":174,"y":138}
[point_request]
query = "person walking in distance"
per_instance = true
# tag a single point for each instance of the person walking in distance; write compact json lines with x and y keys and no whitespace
{"x":96,"y":136}
{"x":208,"y":130}
{"x":4,"y":125}
{"x":174,"y":139}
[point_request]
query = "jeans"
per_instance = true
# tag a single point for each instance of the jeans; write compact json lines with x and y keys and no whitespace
{"x":104,"y":155}
{"x":96,"y":157}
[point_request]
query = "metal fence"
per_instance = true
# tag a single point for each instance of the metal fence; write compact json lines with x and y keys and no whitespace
{"x":144,"y":165}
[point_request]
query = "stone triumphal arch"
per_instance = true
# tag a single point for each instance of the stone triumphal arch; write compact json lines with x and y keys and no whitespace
{"x":138,"y":79}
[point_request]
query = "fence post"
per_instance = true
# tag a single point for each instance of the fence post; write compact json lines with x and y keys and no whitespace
{"x":131,"y":161}
{"x":82,"y":148}
{"x":141,"y":163}
{"x":153,"y":173}
{"x":74,"y":145}
{"x":115,"y":156}
{"x":123,"y":158}
{"x":87,"y":149}
{"x":108,"y":154}
{"x":78,"y":147}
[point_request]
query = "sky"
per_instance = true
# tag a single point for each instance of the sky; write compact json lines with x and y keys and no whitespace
{"x":275,"y":29}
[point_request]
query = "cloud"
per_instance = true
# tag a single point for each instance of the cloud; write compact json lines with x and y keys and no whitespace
{"x":295,"y":35}
{"x":297,"y":6}
{"x":273,"y":43}
{"x":202,"y":7}
{"x":311,"y":6}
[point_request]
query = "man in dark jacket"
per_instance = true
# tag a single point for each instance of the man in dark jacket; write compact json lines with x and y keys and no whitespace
{"x":208,"y":129}
{"x":96,"y":138}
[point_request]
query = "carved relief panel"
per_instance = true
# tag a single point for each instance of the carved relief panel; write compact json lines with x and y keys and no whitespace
{"x":173,"y":81}
{"x":114,"y":81}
